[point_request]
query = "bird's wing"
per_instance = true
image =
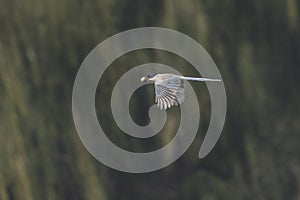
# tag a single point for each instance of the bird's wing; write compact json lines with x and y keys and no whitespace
{"x":169,"y":92}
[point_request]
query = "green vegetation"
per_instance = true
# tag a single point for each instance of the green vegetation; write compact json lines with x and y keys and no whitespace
{"x":255,"y":44}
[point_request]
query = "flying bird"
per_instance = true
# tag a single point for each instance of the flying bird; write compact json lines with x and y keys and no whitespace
{"x":169,"y":88}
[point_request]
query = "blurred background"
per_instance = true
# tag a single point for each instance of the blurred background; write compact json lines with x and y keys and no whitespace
{"x":255,"y":44}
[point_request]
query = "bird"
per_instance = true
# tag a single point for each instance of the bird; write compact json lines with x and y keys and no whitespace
{"x":169,"y":88}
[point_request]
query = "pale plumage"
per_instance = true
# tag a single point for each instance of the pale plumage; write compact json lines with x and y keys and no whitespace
{"x":169,"y":88}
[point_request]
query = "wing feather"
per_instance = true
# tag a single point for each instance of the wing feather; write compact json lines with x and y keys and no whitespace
{"x":169,"y":92}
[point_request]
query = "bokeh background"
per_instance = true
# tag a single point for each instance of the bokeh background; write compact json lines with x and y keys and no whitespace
{"x":255,"y":44}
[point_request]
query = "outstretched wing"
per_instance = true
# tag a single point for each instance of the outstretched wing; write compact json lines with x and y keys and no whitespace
{"x":169,"y":92}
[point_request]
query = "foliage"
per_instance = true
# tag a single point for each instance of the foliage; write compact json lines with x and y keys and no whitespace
{"x":256,"y":45}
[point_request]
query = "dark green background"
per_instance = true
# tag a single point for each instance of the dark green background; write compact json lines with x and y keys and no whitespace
{"x":255,"y":44}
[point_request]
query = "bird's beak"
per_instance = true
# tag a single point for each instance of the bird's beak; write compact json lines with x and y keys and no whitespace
{"x":144,"y":79}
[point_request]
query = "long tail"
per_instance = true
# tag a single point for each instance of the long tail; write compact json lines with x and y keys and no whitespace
{"x":198,"y":79}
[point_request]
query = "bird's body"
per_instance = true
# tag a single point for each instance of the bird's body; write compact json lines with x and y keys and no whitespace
{"x":169,"y":88}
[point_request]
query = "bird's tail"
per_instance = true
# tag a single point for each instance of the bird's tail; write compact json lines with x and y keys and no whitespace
{"x":198,"y":79}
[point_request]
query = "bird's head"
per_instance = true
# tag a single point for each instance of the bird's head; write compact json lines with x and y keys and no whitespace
{"x":148,"y":77}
